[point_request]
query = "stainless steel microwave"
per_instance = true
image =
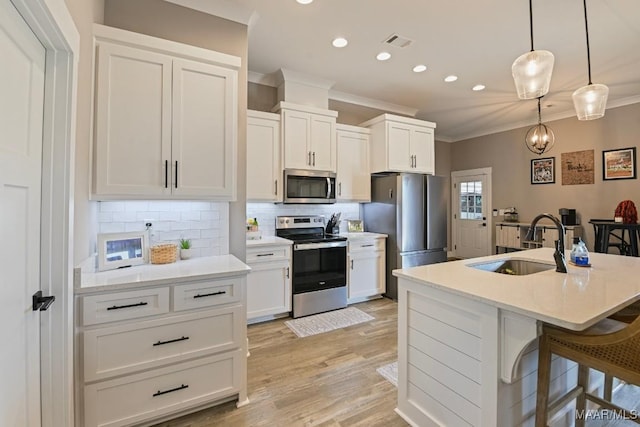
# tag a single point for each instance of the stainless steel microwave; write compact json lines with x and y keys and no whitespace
{"x":303,"y":186}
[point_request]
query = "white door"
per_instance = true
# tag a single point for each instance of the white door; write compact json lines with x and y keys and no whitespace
{"x":296,"y":128}
{"x":264,"y":175}
{"x":399,"y":140}
{"x":21,"y":113}
{"x":422,"y":147}
{"x":354,"y":180}
{"x":323,"y":143}
{"x":471,"y":196}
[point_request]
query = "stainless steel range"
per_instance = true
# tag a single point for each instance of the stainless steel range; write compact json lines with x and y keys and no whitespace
{"x":319,"y":271}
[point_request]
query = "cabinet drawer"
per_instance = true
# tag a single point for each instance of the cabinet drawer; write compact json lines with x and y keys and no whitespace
{"x":129,"y":400}
{"x":366,"y":245}
{"x":206,"y":294}
{"x":123,"y":349}
{"x":267,"y":253}
{"x":124,"y":305}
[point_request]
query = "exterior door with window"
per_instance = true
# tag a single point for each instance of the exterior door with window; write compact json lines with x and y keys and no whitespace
{"x":471,"y":195}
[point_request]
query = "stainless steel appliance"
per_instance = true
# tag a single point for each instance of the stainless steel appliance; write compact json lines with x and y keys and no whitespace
{"x":303,"y":186}
{"x":412,"y":210}
{"x":319,"y":271}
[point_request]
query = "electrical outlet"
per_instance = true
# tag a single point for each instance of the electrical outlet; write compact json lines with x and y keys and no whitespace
{"x":495,"y":212}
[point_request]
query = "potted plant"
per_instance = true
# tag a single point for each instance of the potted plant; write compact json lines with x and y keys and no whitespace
{"x":185,"y":248}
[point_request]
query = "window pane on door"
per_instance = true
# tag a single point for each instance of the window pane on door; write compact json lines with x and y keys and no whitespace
{"x":471,"y":200}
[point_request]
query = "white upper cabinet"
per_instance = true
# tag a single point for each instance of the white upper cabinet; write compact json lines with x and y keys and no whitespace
{"x":353,"y":179}
{"x":264,"y":175}
{"x":309,"y":137}
{"x":165,"y":126}
{"x":401,"y":144}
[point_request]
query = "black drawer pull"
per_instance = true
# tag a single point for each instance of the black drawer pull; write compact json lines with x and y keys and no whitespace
{"x":265,"y":254}
{"x":170,"y":341}
{"x":160,"y":393}
{"x":210,"y":295}
{"x":367,"y":246}
{"x":118,"y":307}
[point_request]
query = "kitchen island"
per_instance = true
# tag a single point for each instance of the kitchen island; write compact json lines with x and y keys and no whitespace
{"x":467,"y":347}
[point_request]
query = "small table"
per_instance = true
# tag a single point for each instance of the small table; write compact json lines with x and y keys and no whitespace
{"x":604,"y":227}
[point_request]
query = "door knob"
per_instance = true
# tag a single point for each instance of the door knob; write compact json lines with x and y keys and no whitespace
{"x":40,"y":303}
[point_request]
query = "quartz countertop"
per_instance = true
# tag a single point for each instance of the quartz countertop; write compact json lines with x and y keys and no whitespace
{"x":363,"y":235}
{"x":155,"y":274}
{"x":575,"y":300}
{"x":268,"y":241}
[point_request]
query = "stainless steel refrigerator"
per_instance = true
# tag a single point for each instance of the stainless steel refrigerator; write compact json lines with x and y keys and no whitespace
{"x":412,"y":210}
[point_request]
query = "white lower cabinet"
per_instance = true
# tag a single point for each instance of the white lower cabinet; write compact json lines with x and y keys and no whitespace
{"x":366,"y":268}
{"x":146,"y":354}
{"x":269,"y":283}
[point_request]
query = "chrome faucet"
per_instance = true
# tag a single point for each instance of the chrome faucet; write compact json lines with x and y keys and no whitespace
{"x":558,"y":255}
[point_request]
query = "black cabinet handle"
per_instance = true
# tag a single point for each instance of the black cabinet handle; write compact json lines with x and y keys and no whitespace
{"x":276,"y":187}
{"x":287,"y":272}
{"x":210,"y":295}
{"x":176,"y":174}
{"x":309,"y":158}
{"x":352,"y":264}
{"x":118,"y":307}
{"x":160,"y":393}
{"x":367,"y":246}
{"x":166,"y":174}
{"x":170,"y":341}
{"x":314,"y":158}
{"x":265,"y":254}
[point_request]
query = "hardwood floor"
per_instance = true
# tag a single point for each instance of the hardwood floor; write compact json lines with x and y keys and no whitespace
{"x":325,"y":380}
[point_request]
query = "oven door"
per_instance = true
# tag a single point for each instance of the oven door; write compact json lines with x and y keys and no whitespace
{"x":318,"y":266}
{"x":301,"y":186}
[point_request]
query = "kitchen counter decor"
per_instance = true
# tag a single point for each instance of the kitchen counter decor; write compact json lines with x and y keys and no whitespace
{"x":163,"y":254}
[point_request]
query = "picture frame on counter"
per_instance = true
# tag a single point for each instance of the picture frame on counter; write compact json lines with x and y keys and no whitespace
{"x":119,"y":250}
{"x":619,"y":164}
{"x":543,"y":171}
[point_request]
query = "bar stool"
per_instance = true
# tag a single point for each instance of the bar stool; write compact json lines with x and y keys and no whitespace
{"x":610,"y":346}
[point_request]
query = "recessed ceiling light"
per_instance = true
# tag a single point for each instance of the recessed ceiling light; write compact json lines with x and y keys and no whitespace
{"x":339,"y":42}
{"x":478,"y":87}
{"x":304,"y":1}
{"x":383,"y":56}
{"x":450,"y":78}
{"x":419,"y":68}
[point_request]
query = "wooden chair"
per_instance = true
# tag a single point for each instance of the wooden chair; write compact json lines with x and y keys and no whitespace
{"x":610,"y":346}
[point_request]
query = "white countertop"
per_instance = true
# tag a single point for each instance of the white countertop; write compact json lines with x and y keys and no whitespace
{"x":155,"y":274}
{"x":575,"y":300}
{"x":268,"y":241}
{"x":363,"y":235}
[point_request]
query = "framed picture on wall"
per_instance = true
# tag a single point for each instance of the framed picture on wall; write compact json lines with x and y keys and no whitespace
{"x":543,"y":171}
{"x":619,"y":164}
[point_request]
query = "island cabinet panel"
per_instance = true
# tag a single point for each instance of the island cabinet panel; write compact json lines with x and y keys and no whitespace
{"x":432,"y":387}
{"x":451,"y":352}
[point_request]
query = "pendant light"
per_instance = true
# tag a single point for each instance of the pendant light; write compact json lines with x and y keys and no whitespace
{"x":540,"y":138}
{"x":532,"y":70}
{"x":590,"y":101}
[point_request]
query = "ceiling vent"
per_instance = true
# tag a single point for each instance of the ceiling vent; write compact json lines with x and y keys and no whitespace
{"x":397,"y":40}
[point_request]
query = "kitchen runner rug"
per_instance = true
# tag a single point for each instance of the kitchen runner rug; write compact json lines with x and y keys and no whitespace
{"x":325,"y":322}
{"x":390,"y":372}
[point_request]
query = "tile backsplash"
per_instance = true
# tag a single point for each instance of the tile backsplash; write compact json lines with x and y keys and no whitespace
{"x":205,"y":223}
{"x":266,"y":213}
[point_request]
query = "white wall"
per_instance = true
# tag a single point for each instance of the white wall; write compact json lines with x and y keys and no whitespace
{"x":205,"y":223}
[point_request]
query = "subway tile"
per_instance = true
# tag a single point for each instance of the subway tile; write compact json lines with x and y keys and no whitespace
{"x":190,"y":215}
{"x":169,"y":216}
{"x":124,"y":216}
{"x":112,"y":227}
{"x":136,"y":205}
{"x":111,"y":206}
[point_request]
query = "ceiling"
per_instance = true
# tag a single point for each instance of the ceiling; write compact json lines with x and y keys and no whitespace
{"x":475,"y":40}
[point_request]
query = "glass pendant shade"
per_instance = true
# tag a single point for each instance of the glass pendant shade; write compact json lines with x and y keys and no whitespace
{"x":532,"y":73}
{"x":590,"y":101}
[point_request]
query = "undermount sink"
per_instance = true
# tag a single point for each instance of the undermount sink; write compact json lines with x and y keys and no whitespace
{"x":513,"y":266}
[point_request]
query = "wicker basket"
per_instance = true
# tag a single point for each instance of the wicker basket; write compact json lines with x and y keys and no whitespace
{"x":163,"y":254}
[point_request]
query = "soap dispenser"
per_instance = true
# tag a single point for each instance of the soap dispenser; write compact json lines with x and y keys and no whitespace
{"x":579,"y":253}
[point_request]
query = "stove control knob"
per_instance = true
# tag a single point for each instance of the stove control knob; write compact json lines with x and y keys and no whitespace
{"x":287,"y":221}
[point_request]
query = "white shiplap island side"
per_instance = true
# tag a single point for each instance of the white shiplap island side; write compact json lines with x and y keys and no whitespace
{"x":467,"y":348}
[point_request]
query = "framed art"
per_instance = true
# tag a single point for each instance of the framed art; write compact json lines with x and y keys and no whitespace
{"x":578,"y":167}
{"x":118,"y":250}
{"x":619,"y":164}
{"x":543,"y":171}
